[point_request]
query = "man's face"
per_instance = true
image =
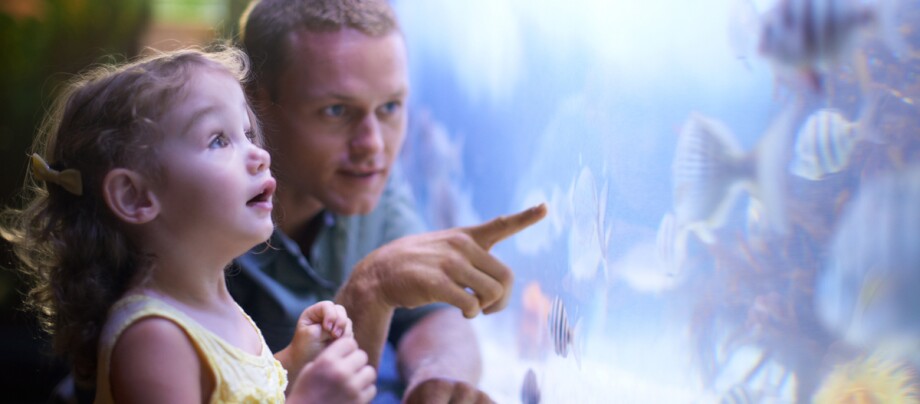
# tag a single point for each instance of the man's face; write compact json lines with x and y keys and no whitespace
{"x":339,"y":118}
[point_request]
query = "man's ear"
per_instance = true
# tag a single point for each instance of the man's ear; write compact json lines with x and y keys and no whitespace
{"x":128,"y":195}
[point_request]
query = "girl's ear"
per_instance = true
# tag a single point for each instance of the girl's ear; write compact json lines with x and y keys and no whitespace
{"x":128,"y":195}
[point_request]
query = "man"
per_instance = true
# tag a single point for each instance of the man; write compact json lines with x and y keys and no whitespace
{"x":330,"y":86}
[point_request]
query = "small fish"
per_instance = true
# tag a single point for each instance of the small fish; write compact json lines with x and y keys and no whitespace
{"x":827,"y":139}
{"x":824,"y":144}
{"x":562,"y":335}
{"x":530,"y":391}
{"x":588,"y":241}
{"x":535,"y":308}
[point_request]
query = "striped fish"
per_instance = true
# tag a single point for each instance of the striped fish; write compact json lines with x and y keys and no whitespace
{"x":561,"y":333}
{"x":813,"y":35}
{"x":824,"y":144}
{"x":530,"y":391}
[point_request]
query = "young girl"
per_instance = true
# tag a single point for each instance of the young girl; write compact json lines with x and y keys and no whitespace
{"x":148,"y":180}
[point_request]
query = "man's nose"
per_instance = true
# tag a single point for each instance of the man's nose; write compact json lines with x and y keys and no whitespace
{"x":368,"y":136}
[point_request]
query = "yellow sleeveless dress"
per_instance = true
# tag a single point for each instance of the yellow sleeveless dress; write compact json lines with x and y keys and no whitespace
{"x":239,"y":377}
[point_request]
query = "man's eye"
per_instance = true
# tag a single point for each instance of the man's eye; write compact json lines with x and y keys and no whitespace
{"x":390,"y":107}
{"x":219,"y":141}
{"x":334,"y":110}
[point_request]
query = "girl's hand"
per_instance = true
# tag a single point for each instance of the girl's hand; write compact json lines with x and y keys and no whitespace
{"x":318,"y":326}
{"x":339,"y":374}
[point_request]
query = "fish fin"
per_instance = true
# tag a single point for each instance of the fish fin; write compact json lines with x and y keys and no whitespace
{"x":703,"y":233}
{"x":708,"y":163}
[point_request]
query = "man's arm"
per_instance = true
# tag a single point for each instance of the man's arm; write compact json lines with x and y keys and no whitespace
{"x":453,"y":266}
{"x":439,"y":357}
{"x":370,"y":315}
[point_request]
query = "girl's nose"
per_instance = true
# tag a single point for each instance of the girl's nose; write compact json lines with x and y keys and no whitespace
{"x":259,"y":160}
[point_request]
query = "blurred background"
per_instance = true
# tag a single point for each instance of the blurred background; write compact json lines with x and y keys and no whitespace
{"x":43,"y":43}
{"x":726,"y":224}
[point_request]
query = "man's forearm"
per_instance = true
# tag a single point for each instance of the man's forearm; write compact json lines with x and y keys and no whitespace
{"x":369,"y":315}
{"x":441,"y":345}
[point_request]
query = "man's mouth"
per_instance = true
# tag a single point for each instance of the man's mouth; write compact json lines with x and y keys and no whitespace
{"x":362,"y":173}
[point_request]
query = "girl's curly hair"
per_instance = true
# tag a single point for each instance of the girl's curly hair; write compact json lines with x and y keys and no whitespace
{"x":77,"y":257}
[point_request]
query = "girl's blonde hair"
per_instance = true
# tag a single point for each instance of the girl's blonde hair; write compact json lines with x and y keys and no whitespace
{"x":75,"y":254}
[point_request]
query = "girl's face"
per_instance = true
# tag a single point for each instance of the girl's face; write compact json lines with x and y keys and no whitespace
{"x":217,"y":188}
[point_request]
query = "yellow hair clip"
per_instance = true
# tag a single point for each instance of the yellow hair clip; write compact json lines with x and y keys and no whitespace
{"x":68,"y":179}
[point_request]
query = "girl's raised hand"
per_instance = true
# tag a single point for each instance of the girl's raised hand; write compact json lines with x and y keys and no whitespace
{"x":318,"y":326}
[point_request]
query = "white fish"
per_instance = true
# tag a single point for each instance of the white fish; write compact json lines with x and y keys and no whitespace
{"x":588,"y":240}
{"x":561,"y":333}
{"x":867,"y":292}
{"x":530,"y":390}
{"x":710,"y":170}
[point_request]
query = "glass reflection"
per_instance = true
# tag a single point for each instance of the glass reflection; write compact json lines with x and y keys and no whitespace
{"x":733,"y":190}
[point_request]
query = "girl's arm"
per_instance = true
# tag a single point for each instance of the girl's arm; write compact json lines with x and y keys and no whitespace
{"x":339,"y":374}
{"x":154,"y":361}
{"x":324,"y":362}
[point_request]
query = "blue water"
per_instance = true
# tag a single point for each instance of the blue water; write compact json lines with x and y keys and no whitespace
{"x":530,"y":94}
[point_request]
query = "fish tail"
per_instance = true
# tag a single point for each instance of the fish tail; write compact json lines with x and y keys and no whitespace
{"x":708,"y":166}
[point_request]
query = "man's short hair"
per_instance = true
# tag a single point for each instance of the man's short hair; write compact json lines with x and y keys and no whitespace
{"x":266,"y":24}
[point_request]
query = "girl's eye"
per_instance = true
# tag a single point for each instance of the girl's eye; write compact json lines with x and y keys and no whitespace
{"x":219,"y":141}
{"x":334,"y":110}
{"x":251,"y":135}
